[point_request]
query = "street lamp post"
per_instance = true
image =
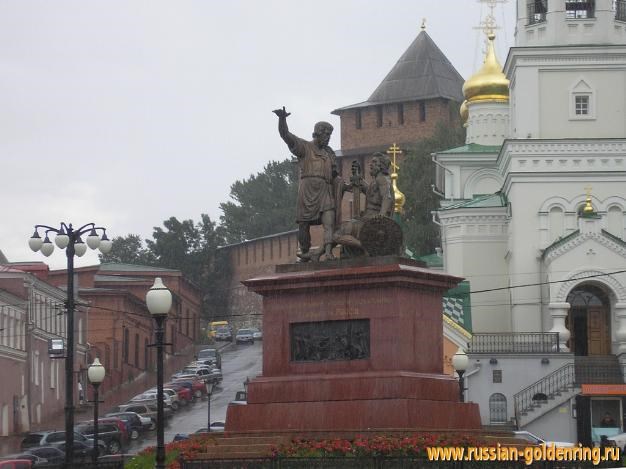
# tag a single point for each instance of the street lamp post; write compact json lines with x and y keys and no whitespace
{"x":209,"y":391}
{"x":159,"y":302}
{"x":70,"y":238}
{"x":460,"y":362}
{"x":95,"y":373}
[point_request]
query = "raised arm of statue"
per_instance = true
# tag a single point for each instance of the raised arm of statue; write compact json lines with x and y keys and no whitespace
{"x":283,"y":130}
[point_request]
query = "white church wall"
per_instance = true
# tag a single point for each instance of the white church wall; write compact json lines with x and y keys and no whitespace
{"x":525,"y":113}
{"x":557,"y":424}
{"x":517,"y":372}
{"x":605,"y":90}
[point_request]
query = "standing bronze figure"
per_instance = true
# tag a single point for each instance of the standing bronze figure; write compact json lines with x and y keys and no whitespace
{"x":316,"y":195}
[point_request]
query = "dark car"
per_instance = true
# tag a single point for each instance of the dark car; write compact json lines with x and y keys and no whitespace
{"x":82,"y":451}
{"x":55,"y":438}
{"x":107,"y":432}
{"x":210,"y":356}
{"x":224,"y":333}
{"x":132,"y":421}
{"x":51,"y":454}
{"x":215,"y":427}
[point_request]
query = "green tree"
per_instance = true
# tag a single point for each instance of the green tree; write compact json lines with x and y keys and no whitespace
{"x":415,"y":180}
{"x":129,"y":249}
{"x":263,"y":204}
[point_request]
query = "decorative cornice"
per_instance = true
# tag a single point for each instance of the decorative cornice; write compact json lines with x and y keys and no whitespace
{"x":446,"y":218}
{"x":562,"y":156}
{"x":556,"y":251}
{"x":12,"y":353}
{"x":581,"y":276}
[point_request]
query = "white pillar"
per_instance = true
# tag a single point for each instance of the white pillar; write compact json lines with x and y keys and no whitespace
{"x":620,"y":333}
{"x":558,"y":311}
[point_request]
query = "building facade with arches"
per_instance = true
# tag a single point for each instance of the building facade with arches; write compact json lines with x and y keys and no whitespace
{"x":533,"y":214}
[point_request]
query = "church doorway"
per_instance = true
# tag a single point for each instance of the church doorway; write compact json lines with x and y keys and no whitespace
{"x":589,"y":321}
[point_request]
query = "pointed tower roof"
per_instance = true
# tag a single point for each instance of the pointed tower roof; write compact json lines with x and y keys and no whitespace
{"x":422,"y":72}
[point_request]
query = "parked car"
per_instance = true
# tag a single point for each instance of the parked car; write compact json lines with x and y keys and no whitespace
{"x":197,"y":386}
{"x":82,"y":451}
{"x":184,"y":394}
{"x":152,"y":396}
{"x":224,"y":333}
{"x":169,"y":392}
{"x":16,"y":464}
{"x":619,"y":440}
{"x":145,"y":410}
{"x":50,"y":454}
{"x":108,"y":432}
{"x":55,"y":438}
{"x":256,"y":333}
{"x":215,"y":427}
{"x":244,"y":336}
{"x":210,"y":356}
{"x":535,"y":440}
{"x":134,"y":426}
{"x":119,"y":423}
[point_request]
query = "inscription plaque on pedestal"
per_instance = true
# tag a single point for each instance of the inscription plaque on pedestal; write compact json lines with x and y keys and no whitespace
{"x":330,"y":340}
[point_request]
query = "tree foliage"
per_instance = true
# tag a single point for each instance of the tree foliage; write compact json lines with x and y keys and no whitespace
{"x":129,"y":249}
{"x":263,"y":204}
{"x":415,"y":180}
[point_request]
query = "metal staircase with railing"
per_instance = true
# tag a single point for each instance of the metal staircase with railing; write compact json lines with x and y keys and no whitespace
{"x":564,"y":383}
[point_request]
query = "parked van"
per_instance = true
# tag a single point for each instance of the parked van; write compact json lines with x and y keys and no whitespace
{"x":213,"y":327}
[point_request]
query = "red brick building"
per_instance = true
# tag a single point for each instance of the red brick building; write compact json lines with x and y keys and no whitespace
{"x":422,"y":90}
{"x":120,"y":327}
{"x":32,"y":311}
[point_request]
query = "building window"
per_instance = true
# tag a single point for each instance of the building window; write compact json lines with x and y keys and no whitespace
{"x":379,"y":116}
{"x":582,"y":101}
{"x":146,"y":354}
{"x":137,"y":350}
{"x":556,"y":223}
{"x":620,"y":10}
{"x":125,"y":345}
{"x":537,"y":10}
{"x":358,"y":119}
{"x":497,"y":376}
{"x":580,"y":9}
{"x":497,"y":408}
{"x":615,"y":221}
{"x":400,"y":114}
{"x":422,"y":106}
{"x":581,"y":105}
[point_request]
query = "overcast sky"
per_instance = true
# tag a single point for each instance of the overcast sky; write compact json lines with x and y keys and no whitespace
{"x":128,"y":112}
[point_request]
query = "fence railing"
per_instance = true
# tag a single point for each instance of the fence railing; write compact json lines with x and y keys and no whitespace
{"x":515,"y":342}
{"x":560,"y":380}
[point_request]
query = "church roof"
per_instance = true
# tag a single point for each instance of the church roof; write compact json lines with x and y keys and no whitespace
{"x":480,"y":201}
{"x":3,"y":259}
{"x":422,"y":72}
{"x":575,"y":234}
{"x":472,"y":148}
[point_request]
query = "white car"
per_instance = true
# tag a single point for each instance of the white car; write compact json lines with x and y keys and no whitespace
{"x":619,"y":439}
{"x":535,"y":440}
{"x":152,"y":396}
{"x":256,"y":333}
{"x":169,"y":392}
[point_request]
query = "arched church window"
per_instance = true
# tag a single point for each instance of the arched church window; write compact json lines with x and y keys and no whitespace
{"x":497,"y":408}
{"x":615,"y":221}
{"x":556,"y":223}
{"x":587,"y":295}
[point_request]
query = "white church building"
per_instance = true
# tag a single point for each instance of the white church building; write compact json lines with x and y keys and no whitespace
{"x":533,"y":215}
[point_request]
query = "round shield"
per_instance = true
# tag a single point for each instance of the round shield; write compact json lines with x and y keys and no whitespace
{"x":381,"y":236}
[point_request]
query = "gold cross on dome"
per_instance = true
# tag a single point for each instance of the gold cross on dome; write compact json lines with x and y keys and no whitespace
{"x":393,"y":151}
{"x":489,"y":24}
{"x":588,"y":190}
{"x":423,"y":27}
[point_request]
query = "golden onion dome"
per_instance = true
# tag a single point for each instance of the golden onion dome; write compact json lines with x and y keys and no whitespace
{"x":464,"y":111}
{"x":489,"y":83}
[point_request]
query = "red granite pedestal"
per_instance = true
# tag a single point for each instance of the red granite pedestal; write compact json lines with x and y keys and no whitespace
{"x":399,"y":384}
